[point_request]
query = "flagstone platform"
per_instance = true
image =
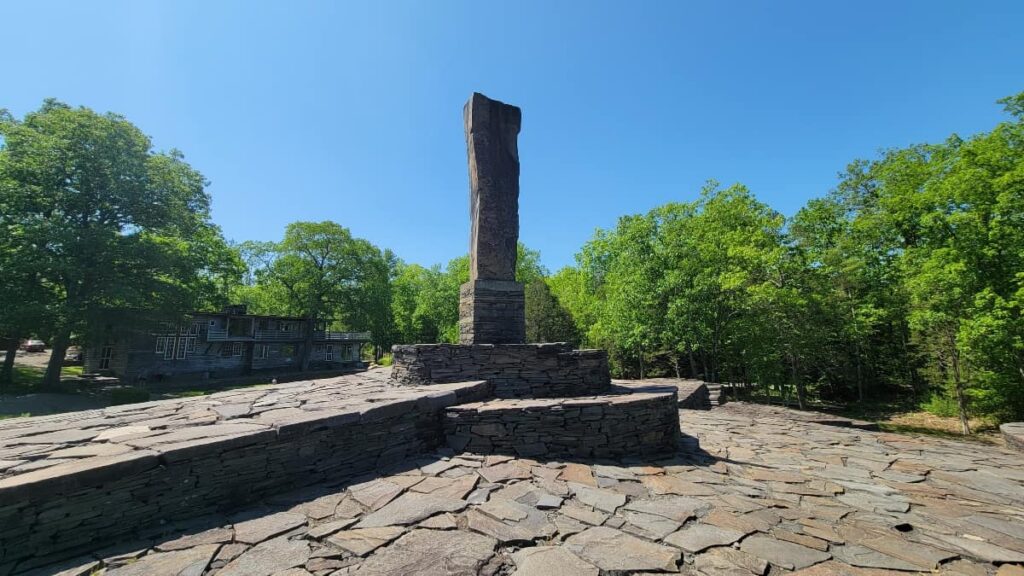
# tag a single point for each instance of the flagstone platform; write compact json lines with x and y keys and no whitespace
{"x":71,"y":481}
{"x":765,"y":493}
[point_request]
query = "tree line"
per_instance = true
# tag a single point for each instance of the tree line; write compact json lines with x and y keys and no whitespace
{"x":904,"y":281}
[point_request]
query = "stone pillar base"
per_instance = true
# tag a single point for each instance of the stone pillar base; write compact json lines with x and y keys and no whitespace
{"x":492,"y":312}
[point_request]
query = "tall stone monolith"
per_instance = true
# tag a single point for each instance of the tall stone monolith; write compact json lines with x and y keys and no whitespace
{"x":491,"y":304}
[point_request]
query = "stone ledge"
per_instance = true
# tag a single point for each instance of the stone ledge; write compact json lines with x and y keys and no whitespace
{"x":515,"y":370}
{"x":204,"y":469}
{"x":1013,"y":433}
{"x":643,"y":422}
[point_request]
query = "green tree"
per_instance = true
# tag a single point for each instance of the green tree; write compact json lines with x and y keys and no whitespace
{"x":111,"y":223}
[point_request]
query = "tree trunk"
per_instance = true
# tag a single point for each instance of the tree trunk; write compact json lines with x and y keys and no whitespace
{"x":961,"y":396}
{"x":51,"y":379}
{"x":860,"y":378}
{"x":307,"y":344}
{"x":799,"y":386}
{"x":641,"y":351}
{"x":693,"y":363}
{"x":7,"y":373}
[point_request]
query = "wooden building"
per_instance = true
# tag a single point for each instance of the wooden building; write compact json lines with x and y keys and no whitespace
{"x":219,"y":345}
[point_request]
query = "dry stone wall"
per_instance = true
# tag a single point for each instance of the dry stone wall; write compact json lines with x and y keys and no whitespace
{"x":644,"y":422}
{"x":514,"y":370}
{"x":61,"y":511}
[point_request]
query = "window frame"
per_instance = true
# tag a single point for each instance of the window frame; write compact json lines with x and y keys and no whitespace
{"x":161,"y":345}
{"x":106,"y":353}
{"x":329,"y":352}
{"x":236,"y":350}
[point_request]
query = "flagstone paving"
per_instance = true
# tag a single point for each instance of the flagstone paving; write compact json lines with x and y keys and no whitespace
{"x":765,"y":493}
{"x":32,"y":444}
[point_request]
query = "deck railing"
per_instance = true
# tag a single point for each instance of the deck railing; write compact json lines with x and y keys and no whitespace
{"x":328,"y":335}
{"x":279,"y":335}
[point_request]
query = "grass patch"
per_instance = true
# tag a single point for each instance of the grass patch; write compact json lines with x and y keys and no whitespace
{"x":26,"y":380}
{"x":188,"y":393}
{"x":901,"y":416}
{"x":128,"y":395}
{"x":22,"y":415}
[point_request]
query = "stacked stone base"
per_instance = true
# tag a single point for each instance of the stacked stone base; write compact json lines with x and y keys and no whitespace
{"x":552,"y":401}
{"x":492,"y":311}
{"x":514,"y":370}
{"x":610,"y":426}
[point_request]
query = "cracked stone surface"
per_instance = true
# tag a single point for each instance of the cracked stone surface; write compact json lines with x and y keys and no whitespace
{"x":767,"y":492}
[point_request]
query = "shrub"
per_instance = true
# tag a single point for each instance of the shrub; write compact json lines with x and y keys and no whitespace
{"x":941,"y":405}
{"x":128,"y":395}
{"x":385,"y":360}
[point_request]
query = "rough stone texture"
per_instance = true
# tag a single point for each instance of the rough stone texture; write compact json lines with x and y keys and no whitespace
{"x":693,"y":394}
{"x":270,"y":557}
{"x":492,"y":132}
{"x":515,"y":371}
{"x":758,"y":471}
{"x":1013,"y":433}
{"x":188,"y":562}
{"x":492,"y":312}
{"x":612,"y":550}
{"x":491,"y":309}
{"x":431,"y":553}
{"x":190,"y":464}
{"x":642,"y":423}
{"x":551,"y":561}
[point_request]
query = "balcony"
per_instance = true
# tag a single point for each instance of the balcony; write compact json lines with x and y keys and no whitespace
{"x":279,"y":335}
{"x":221,"y":335}
{"x":341,"y":336}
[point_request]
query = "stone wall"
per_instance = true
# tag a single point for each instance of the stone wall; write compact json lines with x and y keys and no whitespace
{"x":597,"y":427}
{"x":492,"y":312}
{"x":515,"y":370}
{"x":58,"y":512}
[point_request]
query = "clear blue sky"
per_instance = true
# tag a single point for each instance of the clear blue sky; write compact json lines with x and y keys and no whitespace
{"x":351,"y":111}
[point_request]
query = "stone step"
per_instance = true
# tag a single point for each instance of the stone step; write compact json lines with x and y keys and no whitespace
{"x":640,"y":420}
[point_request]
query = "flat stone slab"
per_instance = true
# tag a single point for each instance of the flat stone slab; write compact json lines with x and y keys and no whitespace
{"x":551,"y":561}
{"x":783,"y":554}
{"x":611,"y":549}
{"x":431,"y":553}
{"x":410,"y":508}
{"x":700,"y":537}
{"x":1013,"y":433}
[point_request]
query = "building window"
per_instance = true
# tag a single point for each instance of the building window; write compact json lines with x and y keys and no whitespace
{"x":262,"y":351}
{"x":193,"y":330}
{"x":286,"y":326}
{"x":161,"y":344}
{"x":236,"y":349}
{"x":329,"y":353}
{"x":190,"y":345}
{"x":169,"y":348}
{"x":105,"y":354}
{"x":180,"y":349}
